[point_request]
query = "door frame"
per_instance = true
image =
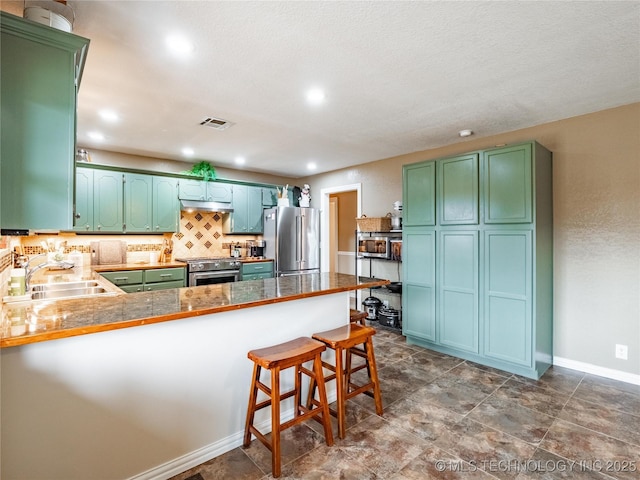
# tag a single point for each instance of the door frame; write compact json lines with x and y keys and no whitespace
{"x":325,"y":226}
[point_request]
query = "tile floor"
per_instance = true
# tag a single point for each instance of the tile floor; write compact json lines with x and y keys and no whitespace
{"x":448,"y":418}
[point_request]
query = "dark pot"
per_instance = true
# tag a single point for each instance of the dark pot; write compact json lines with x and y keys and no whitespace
{"x":395,"y":287}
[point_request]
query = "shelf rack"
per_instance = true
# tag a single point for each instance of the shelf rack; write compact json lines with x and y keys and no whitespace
{"x":393,"y":234}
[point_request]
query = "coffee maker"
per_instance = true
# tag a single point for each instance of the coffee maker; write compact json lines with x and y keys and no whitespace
{"x":256,"y":248}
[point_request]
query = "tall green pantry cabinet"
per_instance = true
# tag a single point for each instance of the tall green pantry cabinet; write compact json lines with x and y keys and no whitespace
{"x":478,"y":249}
{"x":39,"y":76}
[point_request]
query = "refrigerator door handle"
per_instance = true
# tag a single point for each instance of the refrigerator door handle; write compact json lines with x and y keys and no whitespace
{"x":298,"y":240}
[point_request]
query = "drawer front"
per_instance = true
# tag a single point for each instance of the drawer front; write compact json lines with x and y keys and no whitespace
{"x":257,"y":267}
{"x":148,"y":287}
{"x":132,"y":288}
{"x":164,"y":275}
{"x":127,"y":277}
{"x":257,"y":276}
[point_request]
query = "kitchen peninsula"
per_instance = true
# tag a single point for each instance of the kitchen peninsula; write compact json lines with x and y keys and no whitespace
{"x":147,"y":384}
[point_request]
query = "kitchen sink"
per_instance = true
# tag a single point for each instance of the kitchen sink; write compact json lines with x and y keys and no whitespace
{"x":57,"y":291}
{"x":69,"y":293}
{"x":48,"y":287}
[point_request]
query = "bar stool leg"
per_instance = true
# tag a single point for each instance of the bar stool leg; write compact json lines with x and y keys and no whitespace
{"x":251,"y":410}
{"x":322,"y":393}
{"x":275,"y":421}
{"x":373,"y":374}
{"x":340,"y":390}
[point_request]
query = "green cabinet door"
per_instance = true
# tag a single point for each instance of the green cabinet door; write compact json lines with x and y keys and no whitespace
{"x":269,"y":197}
{"x":219,"y":192}
{"x":166,"y":207}
{"x":239,"y":217}
{"x":192,"y":189}
{"x":254,"y":210}
{"x":458,"y":290}
{"x":419,"y":283}
{"x":247,"y":211}
{"x":458,"y":190}
{"x":38,"y":73}
{"x":419,"y":194}
{"x":107,"y":201}
{"x":507,"y":296}
{"x":138,"y":201}
{"x":83,"y":217}
{"x":508,"y":185}
{"x":206,"y":191}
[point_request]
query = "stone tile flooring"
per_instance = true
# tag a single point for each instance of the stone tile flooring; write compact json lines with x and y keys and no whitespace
{"x":448,"y":418}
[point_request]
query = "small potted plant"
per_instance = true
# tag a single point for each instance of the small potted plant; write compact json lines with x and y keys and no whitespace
{"x":202,"y":169}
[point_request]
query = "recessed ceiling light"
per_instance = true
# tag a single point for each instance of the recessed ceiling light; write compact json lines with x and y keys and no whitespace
{"x":315,"y":96}
{"x":240,"y":160}
{"x":108,"y":115}
{"x":465,"y":133}
{"x":311,"y":166}
{"x":95,"y":136}
{"x":187,"y":152}
{"x":179,"y":45}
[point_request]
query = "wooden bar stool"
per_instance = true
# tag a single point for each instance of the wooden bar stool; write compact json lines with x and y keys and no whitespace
{"x":357,"y":316}
{"x":346,"y":339}
{"x":276,"y":359}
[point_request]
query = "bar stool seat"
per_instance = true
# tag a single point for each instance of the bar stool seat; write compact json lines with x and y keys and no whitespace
{"x":357,"y":316}
{"x":347,"y":339}
{"x":276,"y":359}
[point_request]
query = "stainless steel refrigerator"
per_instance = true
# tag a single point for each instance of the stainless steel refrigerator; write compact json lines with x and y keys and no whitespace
{"x":292,"y":239}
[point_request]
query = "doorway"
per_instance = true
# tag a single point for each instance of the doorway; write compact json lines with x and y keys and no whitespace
{"x":340,"y":207}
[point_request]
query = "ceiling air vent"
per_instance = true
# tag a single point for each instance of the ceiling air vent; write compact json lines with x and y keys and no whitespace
{"x":217,"y":123}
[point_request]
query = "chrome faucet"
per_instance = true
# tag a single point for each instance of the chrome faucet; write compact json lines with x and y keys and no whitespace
{"x":30,"y":271}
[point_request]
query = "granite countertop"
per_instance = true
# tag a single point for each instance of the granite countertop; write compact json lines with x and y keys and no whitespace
{"x":37,"y":321}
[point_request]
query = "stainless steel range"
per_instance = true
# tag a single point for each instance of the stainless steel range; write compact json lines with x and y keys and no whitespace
{"x":211,"y":270}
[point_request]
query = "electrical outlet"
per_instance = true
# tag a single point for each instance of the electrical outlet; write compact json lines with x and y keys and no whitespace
{"x":622,"y":351}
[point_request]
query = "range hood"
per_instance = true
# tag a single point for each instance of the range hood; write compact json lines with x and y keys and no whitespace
{"x":202,"y":206}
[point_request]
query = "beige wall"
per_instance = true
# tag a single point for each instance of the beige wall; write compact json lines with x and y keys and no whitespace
{"x":596,"y":189}
{"x":124,"y":160}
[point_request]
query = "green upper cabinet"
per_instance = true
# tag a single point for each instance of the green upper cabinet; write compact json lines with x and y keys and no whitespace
{"x":269,"y":197}
{"x":138,"y":202}
{"x":166,"y":207}
{"x":419,"y":194}
{"x":508,"y":185}
{"x":205,"y":191}
{"x":112,"y":201}
{"x":39,"y":73}
{"x":247,"y":211}
{"x":108,"y":188}
{"x":83,"y":216}
{"x":458,"y":190}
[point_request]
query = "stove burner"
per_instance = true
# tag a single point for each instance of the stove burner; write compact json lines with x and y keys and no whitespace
{"x":209,"y":264}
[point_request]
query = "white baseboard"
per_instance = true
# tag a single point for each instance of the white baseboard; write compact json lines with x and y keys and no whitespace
{"x":596,"y":370}
{"x":206,"y":453}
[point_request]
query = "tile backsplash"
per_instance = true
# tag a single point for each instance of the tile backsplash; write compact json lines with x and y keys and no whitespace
{"x":200,"y":235}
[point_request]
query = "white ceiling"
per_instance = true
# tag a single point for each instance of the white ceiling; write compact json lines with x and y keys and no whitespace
{"x":399,"y":77}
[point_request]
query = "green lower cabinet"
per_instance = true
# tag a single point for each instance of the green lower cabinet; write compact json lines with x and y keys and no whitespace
{"x":256,"y":270}
{"x":125,"y":277}
{"x":458,"y":290}
{"x":132,"y":281}
{"x":507,"y":296}
{"x":419,"y":284}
